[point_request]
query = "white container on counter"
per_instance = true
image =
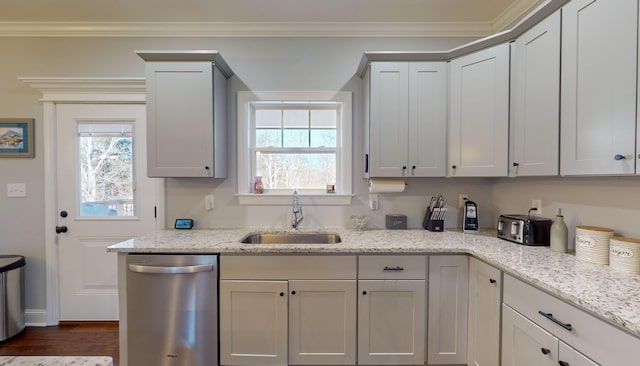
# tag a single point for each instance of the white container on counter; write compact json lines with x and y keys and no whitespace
{"x":624,"y":254}
{"x":592,"y":244}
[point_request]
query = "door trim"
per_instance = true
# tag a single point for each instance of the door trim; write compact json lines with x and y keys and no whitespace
{"x":65,"y":91}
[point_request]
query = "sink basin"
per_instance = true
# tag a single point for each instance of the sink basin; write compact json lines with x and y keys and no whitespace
{"x":291,"y":238}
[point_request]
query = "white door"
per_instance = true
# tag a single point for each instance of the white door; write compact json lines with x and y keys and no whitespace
{"x":104,"y":196}
{"x":485,"y":287}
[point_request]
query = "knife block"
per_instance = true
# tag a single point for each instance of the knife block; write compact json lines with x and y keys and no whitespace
{"x":432,"y":225}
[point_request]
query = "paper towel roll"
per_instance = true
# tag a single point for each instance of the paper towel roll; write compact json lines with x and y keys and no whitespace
{"x":386,"y":185}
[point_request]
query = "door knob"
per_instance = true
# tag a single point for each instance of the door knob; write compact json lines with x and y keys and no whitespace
{"x":63,"y":214}
{"x":61,"y":229}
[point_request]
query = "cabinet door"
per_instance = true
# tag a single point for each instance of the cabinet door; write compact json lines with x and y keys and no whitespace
{"x":485,"y":285}
{"x":479,"y":113}
{"x":524,"y":343}
{"x":180,"y":119}
{"x":322,"y":322}
{"x":599,"y":54}
{"x":535,"y":100}
{"x":448,"y":301}
{"x":391,"y":322}
{"x":427,"y":119}
{"x":389,"y":119}
{"x":570,"y":357}
{"x":253,"y":322}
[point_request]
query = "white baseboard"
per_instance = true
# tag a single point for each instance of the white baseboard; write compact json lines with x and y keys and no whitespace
{"x":35,"y":317}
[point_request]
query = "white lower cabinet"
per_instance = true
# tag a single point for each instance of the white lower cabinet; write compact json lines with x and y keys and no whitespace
{"x":322,"y":322}
{"x":485,"y":297}
{"x":524,"y":343}
{"x":253,"y":322}
{"x":448,"y":301}
{"x":391,"y":322}
{"x":570,"y":357}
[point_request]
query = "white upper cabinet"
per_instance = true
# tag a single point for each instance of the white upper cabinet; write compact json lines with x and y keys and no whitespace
{"x":598,"y":100}
{"x":406,"y":119}
{"x":479,"y":113}
{"x":535,"y":100}
{"x":186,"y":113}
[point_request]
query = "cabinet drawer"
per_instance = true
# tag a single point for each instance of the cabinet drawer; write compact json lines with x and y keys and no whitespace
{"x":283,"y":267}
{"x":392,"y":267}
{"x":587,"y":333}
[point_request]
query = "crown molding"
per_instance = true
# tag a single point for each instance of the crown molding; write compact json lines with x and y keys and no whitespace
{"x":82,"y":90}
{"x":245,"y":29}
{"x":516,"y":11}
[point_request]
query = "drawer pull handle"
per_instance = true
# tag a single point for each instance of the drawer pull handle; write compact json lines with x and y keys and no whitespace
{"x":550,"y":317}
{"x":393,"y":269}
{"x":563,"y":363}
{"x":492,"y":281}
{"x":545,"y":351}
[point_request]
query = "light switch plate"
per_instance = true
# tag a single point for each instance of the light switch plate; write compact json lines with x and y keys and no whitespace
{"x":16,"y":190}
{"x":208,"y":202}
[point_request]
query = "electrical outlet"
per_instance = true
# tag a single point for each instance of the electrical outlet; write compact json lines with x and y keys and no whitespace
{"x":16,"y":190}
{"x":373,"y":202}
{"x":461,"y":198}
{"x":536,"y":203}
{"x":208,"y":202}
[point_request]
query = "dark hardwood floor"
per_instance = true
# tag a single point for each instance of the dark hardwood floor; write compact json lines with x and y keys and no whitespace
{"x":66,"y":339}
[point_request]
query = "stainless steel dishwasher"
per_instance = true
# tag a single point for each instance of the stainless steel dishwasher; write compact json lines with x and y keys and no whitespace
{"x":172,"y":310}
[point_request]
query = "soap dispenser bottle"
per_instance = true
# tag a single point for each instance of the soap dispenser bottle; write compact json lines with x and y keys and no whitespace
{"x":559,"y":234}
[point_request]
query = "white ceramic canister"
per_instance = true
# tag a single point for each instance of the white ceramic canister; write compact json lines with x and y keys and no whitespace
{"x":624,"y":254}
{"x":592,"y":244}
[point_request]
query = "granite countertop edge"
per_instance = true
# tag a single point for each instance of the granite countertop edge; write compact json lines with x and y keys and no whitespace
{"x":597,"y":289}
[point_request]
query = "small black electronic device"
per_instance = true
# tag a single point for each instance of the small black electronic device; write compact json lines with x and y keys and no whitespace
{"x":184,"y":224}
{"x":470,"y":217}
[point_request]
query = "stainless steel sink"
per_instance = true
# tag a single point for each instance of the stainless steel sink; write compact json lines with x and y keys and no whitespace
{"x":291,"y":238}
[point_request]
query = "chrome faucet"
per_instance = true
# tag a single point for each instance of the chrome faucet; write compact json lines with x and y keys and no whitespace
{"x":297,"y":211}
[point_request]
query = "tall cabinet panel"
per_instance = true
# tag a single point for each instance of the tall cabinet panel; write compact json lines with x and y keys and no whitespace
{"x":389,"y":119}
{"x":448,"y":301}
{"x":599,"y":65}
{"x":406,"y":119}
{"x":535,"y":100}
{"x":485,"y":296}
{"x":479,"y":113}
{"x":186,"y":113}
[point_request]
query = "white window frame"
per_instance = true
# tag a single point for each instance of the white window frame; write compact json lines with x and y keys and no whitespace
{"x":344,"y":174}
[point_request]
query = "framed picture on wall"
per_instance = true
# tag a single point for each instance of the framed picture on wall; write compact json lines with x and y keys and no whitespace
{"x":16,"y":138}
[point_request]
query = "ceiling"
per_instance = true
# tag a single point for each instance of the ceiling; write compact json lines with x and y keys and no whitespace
{"x":395,"y":17}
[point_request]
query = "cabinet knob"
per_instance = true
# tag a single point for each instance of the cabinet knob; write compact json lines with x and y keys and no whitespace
{"x":293,"y":292}
{"x":492,"y":281}
{"x":516,"y":165}
{"x":404,"y":168}
{"x":413,"y":167}
{"x":64,"y":214}
{"x":619,"y":157}
{"x":453,"y":167}
{"x":206,"y":167}
{"x":545,"y":351}
{"x":563,"y":363}
{"x":364,"y":292}
{"x":282,"y":294}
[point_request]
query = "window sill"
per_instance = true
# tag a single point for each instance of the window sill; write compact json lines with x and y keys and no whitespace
{"x":326,"y":199}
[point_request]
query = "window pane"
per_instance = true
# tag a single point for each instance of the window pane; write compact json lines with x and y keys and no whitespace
{"x":268,"y":138}
{"x":323,"y":118}
{"x":295,"y":138}
{"x":106,"y":169}
{"x":323,"y":138}
{"x":267,"y":118}
{"x":296,"y":118}
{"x":288,"y":171}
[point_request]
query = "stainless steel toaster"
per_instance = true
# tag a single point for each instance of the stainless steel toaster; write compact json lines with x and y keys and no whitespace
{"x":524,"y":229}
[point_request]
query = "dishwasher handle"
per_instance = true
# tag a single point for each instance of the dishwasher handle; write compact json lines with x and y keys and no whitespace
{"x":170,"y":270}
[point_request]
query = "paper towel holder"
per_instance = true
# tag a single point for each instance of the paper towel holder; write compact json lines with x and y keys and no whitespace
{"x":372,"y":181}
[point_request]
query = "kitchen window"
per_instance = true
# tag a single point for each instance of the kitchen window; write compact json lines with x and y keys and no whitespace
{"x":294,"y":140}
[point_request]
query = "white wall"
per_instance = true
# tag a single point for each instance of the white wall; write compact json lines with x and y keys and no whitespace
{"x":268,"y":64}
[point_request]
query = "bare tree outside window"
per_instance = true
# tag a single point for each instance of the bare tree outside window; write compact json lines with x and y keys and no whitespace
{"x":106,"y":179}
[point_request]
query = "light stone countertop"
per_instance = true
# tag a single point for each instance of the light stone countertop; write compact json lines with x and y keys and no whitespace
{"x":600,"y":290}
{"x":55,"y":361}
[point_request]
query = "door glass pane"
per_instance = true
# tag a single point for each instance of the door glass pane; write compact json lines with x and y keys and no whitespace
{"x":106,"y":169}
